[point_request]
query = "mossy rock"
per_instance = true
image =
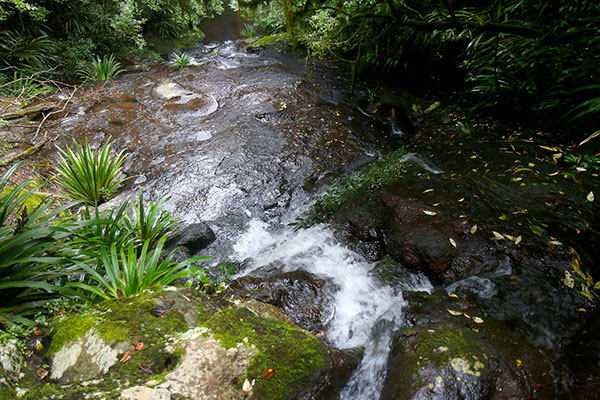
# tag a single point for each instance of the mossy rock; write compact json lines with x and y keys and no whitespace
{"x":202,"y":347}
{"x":455,"y":352}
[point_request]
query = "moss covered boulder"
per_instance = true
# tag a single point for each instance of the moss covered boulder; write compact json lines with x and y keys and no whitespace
{"x":182,"y":344}
{"x":453,"y":352}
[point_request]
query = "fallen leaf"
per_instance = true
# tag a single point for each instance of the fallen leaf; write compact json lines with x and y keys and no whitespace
{"x":461,"y":200}
{"x":497,"y":236}
{"x":582,"y":309}
{"x":146,"y":370}
{"x":320,"y":335}
{"x":536,"y":229}
{"x":126,"y":357}
{"x":247,"y":386}
{"x":556,"y":243}
{"x":510,"y":237}
{"x":537,"y":387}
{"x":37,"y":345}
{"x":455,"y":313}
{"x":428,"y":190}
{"x":429,"y":212}
{"x":518,"y":239}
{"x":531,"y":164}
{"x":503,"y":217}
{"x":477,"y":320}
{"x":268,"y":373}
{"x":590,"y":196}
{"x":519,"y":362}
{"x":452,"y":242}
{"x":139,"y":346}
{"x":38,"y":333}
{"x":568,"y":281}
{"x":474,"y":229}
{"x":452,"y":295}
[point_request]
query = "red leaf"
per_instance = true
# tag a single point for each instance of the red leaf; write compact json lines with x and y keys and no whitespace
{"x":139,"y":346}
{"x":38,"y":333}
{"x":268,"y":373}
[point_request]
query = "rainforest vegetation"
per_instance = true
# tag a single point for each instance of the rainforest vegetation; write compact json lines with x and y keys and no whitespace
{"x":538,"y":60}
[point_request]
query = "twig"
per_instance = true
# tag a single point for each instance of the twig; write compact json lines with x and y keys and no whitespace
{"x":29,"y":150}
{"x":39,"y":128}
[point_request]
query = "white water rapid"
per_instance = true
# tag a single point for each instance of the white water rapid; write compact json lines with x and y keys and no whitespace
{"x":366,"y":311}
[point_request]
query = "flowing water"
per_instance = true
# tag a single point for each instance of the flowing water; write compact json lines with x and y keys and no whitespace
{"x":242,"y":141}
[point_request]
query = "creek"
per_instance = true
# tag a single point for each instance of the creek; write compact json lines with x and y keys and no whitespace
{"x":243,"y":142}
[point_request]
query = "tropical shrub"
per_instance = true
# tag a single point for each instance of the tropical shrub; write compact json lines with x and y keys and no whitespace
{"x":128,"y":272}
{"x":150,"y":222}
{"x":31,"y":264}
{"x":89,"y":176}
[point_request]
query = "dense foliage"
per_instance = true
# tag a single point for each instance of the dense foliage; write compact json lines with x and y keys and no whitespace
{"x":538,"y":58}
{"x":38,"y":35}
{"x":47,"y":251}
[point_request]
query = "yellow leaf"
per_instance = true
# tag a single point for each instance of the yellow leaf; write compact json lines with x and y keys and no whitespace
{"x":452,"y":242}
{"x":452,"y":295}
{"x":477,"y":320}
{"x":455,"y":313}
{"x":429,"y":212}
{"x":474,"y":229}
{"x":497,"y":236}
{"x":568,"y":281}
{"x":428,"y":190}
{"x":502,"y":217}
{"x":582,"y":309}
{"x":519,"y":362}
{"x":518,"y":239}
{"x":597,"y":285}
{"x":590,"y":196}
{"x":531,"y":164}
{"x":461,"y":200}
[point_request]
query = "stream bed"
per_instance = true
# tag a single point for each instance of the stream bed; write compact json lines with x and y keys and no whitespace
{"x":242,"y":142}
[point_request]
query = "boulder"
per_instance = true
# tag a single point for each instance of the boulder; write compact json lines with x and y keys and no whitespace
{"x":192,"y":238}
{"x":452,"y":351}
{"x":183,"y":344}
{"x":301,"y":295}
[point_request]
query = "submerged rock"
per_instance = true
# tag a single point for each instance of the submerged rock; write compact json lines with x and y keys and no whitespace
{"x":202,"y":347}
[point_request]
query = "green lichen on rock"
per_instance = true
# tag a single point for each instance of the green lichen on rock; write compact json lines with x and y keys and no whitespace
{"x":298,"y":358}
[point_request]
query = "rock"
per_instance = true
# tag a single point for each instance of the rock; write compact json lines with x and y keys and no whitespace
{"x":11,"y":363}
{"x":85,"y":358}
{"x":463,"y":355}
{"x":169,"y":91}
{"x":202,"y":347}
{"x":192,"y":238}
{"x":301,"y":295}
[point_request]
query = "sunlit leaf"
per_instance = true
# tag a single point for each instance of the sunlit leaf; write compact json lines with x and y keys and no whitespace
{"x":452,"y":242}
{"x":452,"y":295}
{"x":568,"y":281}
{"x":474,"y":229}
{"x":268,"y":373}
{"x":429,"y":212}
{"x":519,"y":362}
{"x":590,"y":196}
{"x":497,"y":236}
{"x":455,"y":313}
{"x":502,"y":217}
{"x":518,"y":239}
{"x":477,"y":320}
{"x":582,"y":309}
{"x":428,"y":190}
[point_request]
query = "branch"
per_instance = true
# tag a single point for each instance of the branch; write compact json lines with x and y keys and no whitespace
{"x":485,"y":26}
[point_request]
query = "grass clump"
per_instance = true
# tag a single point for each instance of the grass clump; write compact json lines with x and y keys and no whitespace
{"x":129,"y":272}
{"x":181,"y":60}
{"x":101,"y":69}
{"x":384,"y":171}
{"x":89,"y":176}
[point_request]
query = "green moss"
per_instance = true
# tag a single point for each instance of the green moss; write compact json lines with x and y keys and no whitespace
{"x":267,"y":40}
{"x":297,"y":357}
{"x":70,"y":329}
